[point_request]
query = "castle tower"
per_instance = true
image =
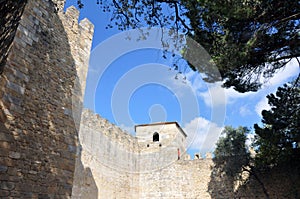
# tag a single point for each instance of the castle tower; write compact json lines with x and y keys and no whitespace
{"x":160,"y":144}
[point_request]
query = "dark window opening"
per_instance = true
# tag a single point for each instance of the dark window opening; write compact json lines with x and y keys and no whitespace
{"x":155,"y":137}
{"x":159,"y":144}
{"x":147,"y":145}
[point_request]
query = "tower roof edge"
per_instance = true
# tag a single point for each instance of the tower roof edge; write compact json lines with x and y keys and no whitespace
{"x":162,"y":123}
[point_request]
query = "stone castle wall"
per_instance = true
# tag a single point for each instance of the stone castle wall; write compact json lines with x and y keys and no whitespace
{"x":121,"y":168}
{"x":47,"y":152}
{"x":38,"y":135}
{"x":112,"y":156}
{"x":180,"y":179}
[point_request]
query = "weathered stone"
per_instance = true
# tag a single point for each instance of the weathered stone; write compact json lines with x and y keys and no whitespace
{"x":5,"y":137}
{"x":33,"y":172}
{"x":38,"y":77}
{"x":7,"y":185}
{"x":123,"y":166}
{"x":14,"y":155}
{"x":11,"y":12}
{"x":4,"y":193}
{"x":40,"y":156}
{"x":3,"y":168}
{"x":16,"y":87}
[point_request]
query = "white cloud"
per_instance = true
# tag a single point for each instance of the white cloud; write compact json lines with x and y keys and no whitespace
{"x":290,"y":70}
{"x":202,"y":134}
{"x":245,"y":111}
{"x":262,"y":105}
{"x":216,"y":95}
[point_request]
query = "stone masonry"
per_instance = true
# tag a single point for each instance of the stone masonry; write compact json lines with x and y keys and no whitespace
{"x":125,"y":166}
{"x":10,"y":14}
{"x":40,"y":91}
{"x":52,"y":148}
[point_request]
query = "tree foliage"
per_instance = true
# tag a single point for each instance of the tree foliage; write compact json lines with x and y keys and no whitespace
{"x":232,"y":159}
{"x":278,"y":139}
{"x":247,"y":39}
{"x":231,"y":153}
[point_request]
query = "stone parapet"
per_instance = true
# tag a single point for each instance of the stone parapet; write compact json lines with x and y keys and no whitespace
{"x":95,"y":123}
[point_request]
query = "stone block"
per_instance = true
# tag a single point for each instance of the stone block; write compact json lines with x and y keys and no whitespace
{"x":14,"y":155}
{"x":3,"y":168}
{"x":5,"y":137}
{"x":4,"y":193}
{"x":21,"y":75}
{"x":17,"y":109}
{"x":19,"y":89}
{"x":4,"y":185}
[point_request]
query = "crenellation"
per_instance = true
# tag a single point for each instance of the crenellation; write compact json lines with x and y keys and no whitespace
{"x":71,"y":18}
{"x":87,"y":28}
{"x":153,"y":173}
{"x":94,"y":122}
{"x":197,"y":156}
{"x":80,"y":39}
{"x":208,"y":155}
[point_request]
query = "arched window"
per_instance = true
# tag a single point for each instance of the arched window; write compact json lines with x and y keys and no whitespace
{"x":155,"y":137}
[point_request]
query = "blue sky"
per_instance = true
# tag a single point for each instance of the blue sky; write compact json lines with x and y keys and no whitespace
{"x":130,"y":83}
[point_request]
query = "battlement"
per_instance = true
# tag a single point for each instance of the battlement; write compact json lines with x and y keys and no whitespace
{"x":143,"y":144}
{"x":92,"y":122}
{"x":70,"y":19}
{"x":198,"y":156}
{"x":80,"y":34}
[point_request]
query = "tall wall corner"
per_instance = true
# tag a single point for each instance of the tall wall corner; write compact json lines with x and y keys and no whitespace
{"x":39,"y":136}
{"x":80,"y":35}
{"x":83,"y":28}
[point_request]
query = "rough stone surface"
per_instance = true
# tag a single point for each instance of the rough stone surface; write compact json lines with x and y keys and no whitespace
{"x":40,"y":91}
{"x":124,"y":166}
{"x":49,"y":150}
{"x":112,"y":157}
{"x":10,"y":14}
